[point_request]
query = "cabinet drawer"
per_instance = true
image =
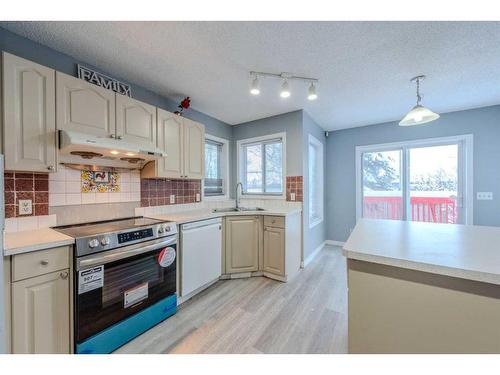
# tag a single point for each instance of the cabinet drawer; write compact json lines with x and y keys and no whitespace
{"x":39,"y":263}
{"x":274,"y":221}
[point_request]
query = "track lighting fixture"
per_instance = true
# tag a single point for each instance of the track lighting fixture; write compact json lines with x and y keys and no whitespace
{"x":285,"y":86}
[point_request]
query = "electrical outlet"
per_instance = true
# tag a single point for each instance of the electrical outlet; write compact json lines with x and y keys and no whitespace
{"x":172,"y":199}
{"x":484,"y":196}
{"x":25,"y":207}
{"x":292,"y":196}
{"x":197,"y":197}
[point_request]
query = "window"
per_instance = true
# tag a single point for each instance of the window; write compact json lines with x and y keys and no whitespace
{"x":315,"y":161}
{"x":216,"y":159}
{"x":425,"y":180}
{"x":261,"y":165}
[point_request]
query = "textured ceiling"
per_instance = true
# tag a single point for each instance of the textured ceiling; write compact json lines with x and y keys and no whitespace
{"x":363,"y":67}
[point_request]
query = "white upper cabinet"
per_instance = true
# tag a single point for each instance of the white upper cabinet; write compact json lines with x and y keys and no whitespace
{"x":170,"y":140}
{"x":135,"y":122}
{"x":194,"y":154}
{"x":183,"y":141}
{"x":29,"y":115}
{"x":84,"y":107}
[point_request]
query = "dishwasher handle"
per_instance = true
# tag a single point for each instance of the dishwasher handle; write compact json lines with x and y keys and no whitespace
{"x":201,"y":224}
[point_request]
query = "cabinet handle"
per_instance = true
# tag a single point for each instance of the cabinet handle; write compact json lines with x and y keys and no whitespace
{"x":112,"y":136}
{"x":44,"y":262}
{"x":64,"y":275}
{"x":50,"y":168}
{"x":119,"y":137}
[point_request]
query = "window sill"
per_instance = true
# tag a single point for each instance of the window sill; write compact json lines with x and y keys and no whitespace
{"x":315,"y":222}
{"x":215,"y":197}
{"x":261,"y":196}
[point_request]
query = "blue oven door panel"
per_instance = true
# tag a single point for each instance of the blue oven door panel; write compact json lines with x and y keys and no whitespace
{"x":120,"y":333}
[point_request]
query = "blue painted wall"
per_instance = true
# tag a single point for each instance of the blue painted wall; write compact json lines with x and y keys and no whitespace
{"x":483,"y":123}
{"x":313,"y":237}
{"x":43,"y":55}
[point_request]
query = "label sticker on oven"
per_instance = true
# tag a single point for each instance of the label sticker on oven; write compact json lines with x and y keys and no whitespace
{"x":134,"y":295}
{"x":90,"y":279}
{"x":166,"y":257}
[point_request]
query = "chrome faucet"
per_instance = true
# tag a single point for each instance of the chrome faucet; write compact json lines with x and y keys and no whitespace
{"x":236,"y":196}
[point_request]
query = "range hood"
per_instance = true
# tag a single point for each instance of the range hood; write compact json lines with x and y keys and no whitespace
{"x":84,"y":149}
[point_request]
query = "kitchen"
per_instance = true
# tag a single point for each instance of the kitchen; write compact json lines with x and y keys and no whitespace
{"x":142,"y":220}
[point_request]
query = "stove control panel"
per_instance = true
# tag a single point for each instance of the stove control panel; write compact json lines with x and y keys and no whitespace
{"x":135,"y":235}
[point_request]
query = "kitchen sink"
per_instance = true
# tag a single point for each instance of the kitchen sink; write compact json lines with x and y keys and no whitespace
{"x":240,"y":209}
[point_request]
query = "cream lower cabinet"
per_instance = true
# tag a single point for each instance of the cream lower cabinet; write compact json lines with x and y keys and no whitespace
{"x":29,"y":115}
{"x":274,"y":250}
{"x":40,"y":302}
{"x":40,"y":314}
{"x":183,"y":141}
{"x":243,"y":242}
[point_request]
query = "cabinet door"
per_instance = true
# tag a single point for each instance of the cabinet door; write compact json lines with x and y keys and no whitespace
{"x":242,"y":243}
{"x":194,"y":149}
{"x":41,"y":314}
{"x":84,"y":107}
{"x":136,"y":122}
{"x":170,"y":140}
{"x":274,"y":250}
{"x":29,"y":115}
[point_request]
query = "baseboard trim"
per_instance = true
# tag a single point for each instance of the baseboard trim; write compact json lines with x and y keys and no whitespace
{"x":311,"y":256}
{"x":335,"y":243}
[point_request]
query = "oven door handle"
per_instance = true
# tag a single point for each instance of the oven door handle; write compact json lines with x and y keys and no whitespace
{"x":122,"y":253}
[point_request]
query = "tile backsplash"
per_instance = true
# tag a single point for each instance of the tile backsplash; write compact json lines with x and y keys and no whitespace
{"x":26,"y":185}
{"x":294,"y":184}
{"x":157,"y":191}
{"x":65,"y":188}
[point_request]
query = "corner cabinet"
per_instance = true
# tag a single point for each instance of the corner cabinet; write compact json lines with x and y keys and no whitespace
{"x":135,"y":122}
{"x":29,"y":115}
{"x":243,"y":243}
{"x":83,"y":107}
{"x":183,"y":140}
{"x":274,"y":250}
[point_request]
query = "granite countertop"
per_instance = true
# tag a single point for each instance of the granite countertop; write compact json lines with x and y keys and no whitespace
{"x":465,"y":251}
{"x":33,"y":240}
{"x":197,"y":215}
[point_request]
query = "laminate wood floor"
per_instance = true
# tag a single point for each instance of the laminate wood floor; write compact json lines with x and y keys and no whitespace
{"x":260,"y":315}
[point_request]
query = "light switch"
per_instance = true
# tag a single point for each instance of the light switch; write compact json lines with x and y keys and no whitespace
{"x":484,"y":196}
{"x":292,"y":196}
{"x":172,"y":199}
{"x":25,"y":207}
{"x":197,"y":197}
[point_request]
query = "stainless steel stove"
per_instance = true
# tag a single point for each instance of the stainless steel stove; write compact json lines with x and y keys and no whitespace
{"x":125,"y":279}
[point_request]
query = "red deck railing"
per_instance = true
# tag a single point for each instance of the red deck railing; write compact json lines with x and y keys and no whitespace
{"x":427,"y":209}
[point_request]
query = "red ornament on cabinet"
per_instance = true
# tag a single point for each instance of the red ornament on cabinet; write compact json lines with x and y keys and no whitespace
{"x":184,"y":104}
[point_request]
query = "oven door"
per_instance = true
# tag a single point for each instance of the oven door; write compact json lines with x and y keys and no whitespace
{"x":115,"y":284}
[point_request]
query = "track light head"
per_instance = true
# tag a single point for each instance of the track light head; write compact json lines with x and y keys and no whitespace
{"x":312,"y":92}
{"x":285,"y":89}
{"x":254,"y":89}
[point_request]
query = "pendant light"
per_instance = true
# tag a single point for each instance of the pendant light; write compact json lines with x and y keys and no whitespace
{"x":418,"y":114}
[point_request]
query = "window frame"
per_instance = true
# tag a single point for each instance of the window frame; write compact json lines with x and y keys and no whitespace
{"x":241,"y":168}
{"x":224,"y":169}
{"x":465,"y":163}
{"x":313,"y":141}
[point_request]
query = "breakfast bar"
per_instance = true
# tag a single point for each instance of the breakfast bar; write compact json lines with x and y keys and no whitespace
{"x":423,"y":288}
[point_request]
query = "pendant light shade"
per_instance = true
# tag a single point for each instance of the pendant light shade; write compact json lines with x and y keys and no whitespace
{"x":419,"y":114}
{"x":285,"y":89}
{"x":254,"y":90}
{"x":312,"y":92}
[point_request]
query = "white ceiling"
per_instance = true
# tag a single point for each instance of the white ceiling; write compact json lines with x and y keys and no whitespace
{"x":363,"y":67}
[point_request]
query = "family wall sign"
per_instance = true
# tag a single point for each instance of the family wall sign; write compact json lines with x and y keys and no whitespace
{"x":103,"y":80}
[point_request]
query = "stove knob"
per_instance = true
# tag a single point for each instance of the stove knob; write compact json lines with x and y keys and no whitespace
{"x":105,"y":241}
{"x":160,"y":230}
{"x":93,"y":243}
{"x":168,"y":229}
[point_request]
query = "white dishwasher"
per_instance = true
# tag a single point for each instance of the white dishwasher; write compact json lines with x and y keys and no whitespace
{"x":201,"y":254}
